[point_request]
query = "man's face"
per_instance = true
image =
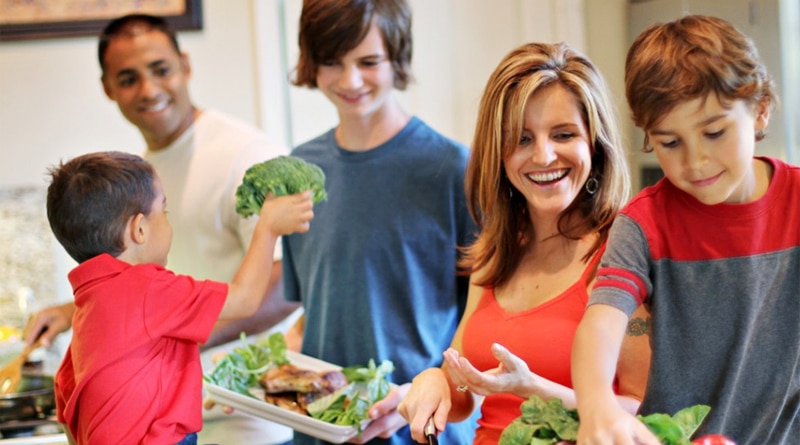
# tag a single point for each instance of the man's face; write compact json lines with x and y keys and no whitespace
{"x":148,"y":80}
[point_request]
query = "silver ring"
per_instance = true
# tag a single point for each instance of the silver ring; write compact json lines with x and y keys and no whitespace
{"x":462,"y":388}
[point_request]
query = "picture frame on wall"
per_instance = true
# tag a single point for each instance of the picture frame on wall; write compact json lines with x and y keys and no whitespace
{"x":51,"y":19}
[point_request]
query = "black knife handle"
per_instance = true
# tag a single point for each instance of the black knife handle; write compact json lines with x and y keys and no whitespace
{"x":430,"y":432}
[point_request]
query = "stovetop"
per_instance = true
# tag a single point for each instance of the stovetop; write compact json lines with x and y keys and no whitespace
{"x":39,"y":431}
{"x":47,"y":439}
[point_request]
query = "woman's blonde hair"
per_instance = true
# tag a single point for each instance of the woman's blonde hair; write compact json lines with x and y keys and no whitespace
{"x":501,"y":212}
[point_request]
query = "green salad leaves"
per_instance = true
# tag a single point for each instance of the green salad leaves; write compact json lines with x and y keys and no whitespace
{"x":350,"y":404}
{"x":240,"y":369}
{"x":541,"y":423}
{"x":549,"y":422}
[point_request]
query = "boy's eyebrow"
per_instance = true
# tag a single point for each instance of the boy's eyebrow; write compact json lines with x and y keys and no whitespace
{"x":373,"y":56}
{"x":703,"y":123}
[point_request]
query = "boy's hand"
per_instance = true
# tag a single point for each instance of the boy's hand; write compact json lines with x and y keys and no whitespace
{"x":613,"y":426}
{"x":288,"y":214}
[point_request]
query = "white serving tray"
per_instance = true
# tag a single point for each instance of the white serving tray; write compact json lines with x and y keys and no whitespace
{"x":260,"y":408}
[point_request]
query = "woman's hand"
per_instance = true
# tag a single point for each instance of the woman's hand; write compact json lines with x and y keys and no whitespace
{"x":429,"y":395}
{"x":512,"y":374}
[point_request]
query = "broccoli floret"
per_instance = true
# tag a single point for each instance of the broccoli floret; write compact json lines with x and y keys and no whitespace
{"x":283,"y":175}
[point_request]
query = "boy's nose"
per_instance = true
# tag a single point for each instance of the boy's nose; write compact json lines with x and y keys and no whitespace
{"x":695,"y":157}
{"x":351,"y":77}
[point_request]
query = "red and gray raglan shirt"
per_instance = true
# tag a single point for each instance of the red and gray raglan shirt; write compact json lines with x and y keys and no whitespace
{"x":723,"y":283}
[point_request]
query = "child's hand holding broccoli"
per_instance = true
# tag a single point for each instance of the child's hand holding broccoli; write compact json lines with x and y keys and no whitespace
{"x":287,"y":214}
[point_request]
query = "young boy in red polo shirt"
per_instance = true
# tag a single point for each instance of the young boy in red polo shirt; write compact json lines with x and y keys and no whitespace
{"x":132,"y":371}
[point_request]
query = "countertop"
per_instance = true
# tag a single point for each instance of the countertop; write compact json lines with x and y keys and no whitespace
{"x":50,"y":439}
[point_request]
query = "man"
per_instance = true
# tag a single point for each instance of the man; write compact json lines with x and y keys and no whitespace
{"x":201,"y":157}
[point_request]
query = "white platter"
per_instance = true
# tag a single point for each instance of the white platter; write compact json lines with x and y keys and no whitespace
{"x":298,"y":422}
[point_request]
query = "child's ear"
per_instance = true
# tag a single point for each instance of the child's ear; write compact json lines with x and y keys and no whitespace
{"x":137,"y":227}
{"x":762,"y":110}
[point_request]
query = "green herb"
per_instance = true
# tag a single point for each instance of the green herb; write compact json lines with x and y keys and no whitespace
{"x":240,"y":370}
{"x":546,"y":423}
{"x":678,"y":429}
{"x":350,"y":405}
{"x":283,"y":175}
{"x":541,"y":423}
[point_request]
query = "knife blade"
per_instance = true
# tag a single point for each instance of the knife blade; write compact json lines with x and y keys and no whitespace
{"x":430,"y":432}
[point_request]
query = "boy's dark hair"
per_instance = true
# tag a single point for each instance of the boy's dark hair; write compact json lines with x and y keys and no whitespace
{"x":129,"y":25}
{"x":690,"y":58}
{"x":331,"y":28}
{"x":92,"y":197}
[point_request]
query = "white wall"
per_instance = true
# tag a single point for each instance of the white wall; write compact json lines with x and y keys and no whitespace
{"x":457,"y":43}
{"x":52,"y":106}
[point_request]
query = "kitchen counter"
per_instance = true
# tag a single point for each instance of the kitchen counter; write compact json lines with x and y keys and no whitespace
{"x":49,"y":439}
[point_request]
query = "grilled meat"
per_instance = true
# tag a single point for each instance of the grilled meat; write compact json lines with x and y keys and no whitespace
{"x":286,"y":400}
{"x":290,"y":378}
{"x":295,"y":388}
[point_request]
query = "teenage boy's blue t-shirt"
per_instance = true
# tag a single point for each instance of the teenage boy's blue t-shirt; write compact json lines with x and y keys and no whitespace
{"x":377,"y":271}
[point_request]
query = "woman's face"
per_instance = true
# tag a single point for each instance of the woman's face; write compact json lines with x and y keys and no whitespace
{"x":359,"y":83}
{"x":552,"y":160}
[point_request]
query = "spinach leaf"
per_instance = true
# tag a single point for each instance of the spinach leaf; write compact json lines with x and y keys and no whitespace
{"x":678,"y":429}
{"x":541,"y":423}
{"x":240,"y":370}
{"x":548,"y":422}
{"x":350,"y":405}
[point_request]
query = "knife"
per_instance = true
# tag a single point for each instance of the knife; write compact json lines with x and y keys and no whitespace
{"x":430,"y":432}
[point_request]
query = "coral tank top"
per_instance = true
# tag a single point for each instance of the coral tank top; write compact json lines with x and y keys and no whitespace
{"x":541,"y":336}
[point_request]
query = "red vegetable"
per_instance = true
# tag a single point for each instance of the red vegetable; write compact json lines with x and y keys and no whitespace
{"x":713,"y":439}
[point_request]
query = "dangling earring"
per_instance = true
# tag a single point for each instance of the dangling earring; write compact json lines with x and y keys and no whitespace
{"x":592,"y":184}
{"x":760,"y":135}
{"x":510,"y":192}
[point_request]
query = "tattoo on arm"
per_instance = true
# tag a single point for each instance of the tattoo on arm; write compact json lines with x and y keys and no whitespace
{"x":638,"y":326}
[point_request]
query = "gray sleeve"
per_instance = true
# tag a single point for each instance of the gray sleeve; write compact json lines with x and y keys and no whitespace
{"x":623,"y":278}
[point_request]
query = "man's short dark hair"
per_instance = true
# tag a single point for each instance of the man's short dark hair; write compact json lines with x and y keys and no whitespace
{"x":127,"y":25}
